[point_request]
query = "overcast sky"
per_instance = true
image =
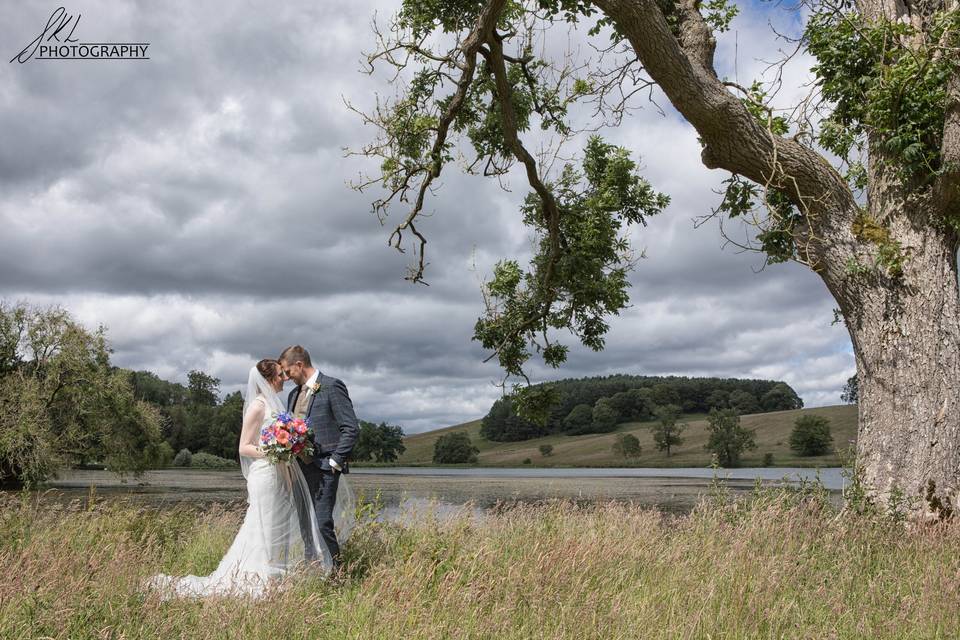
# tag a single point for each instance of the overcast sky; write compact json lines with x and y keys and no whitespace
{"x":197,"y":205}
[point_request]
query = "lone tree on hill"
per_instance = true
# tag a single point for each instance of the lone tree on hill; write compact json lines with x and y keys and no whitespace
{"x":860,"y":181}
{"x":627,"y":445}
{"x":811,"y":436}
{"x":379,"y":442}
{"x":728,"y":439}
{"x":454,"y":447}
{"x":666,"y":432}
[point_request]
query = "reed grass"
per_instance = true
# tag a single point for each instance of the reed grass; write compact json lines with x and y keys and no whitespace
{"x":778,"y":565}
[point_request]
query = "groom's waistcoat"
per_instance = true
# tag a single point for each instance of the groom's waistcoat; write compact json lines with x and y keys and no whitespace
{"x":330,"y":414}
{"x":300,"y":409}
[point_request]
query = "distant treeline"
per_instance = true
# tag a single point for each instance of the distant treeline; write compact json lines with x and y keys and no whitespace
{"x":193,"y":415}
{"x":195,"y":418}
{"x":597,"y":405}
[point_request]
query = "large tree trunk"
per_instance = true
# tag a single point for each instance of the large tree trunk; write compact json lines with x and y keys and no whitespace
{"x":905,"y":330}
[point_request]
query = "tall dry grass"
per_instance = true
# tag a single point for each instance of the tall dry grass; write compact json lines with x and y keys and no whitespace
{"x":780,"y":565}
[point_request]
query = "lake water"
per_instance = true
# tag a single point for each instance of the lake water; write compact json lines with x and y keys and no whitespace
{"x":831,"y":477}
{"x":407,"y":491}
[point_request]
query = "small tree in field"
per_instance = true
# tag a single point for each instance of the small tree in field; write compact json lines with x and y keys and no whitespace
{"x":728,"y":439}
{"x":627,"y":445}
{"x":811,"y":436}
{"x":451,"y":448}
{"x":666,"y":433}
{"x":546,"y":450}
{"x":378,"y":442}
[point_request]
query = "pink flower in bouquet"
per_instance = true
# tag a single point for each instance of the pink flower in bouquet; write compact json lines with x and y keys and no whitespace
{"x":286,"y":438}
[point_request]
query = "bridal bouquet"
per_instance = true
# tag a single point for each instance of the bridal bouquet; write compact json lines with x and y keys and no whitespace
{"x":285,"y":438}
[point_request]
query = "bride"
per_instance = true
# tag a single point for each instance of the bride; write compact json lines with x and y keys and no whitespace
{"x":279,"y":515}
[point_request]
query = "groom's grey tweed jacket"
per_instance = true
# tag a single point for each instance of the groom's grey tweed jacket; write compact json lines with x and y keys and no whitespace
{"x":331,"y":417}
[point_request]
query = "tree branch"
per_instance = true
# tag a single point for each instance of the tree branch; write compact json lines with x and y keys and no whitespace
{"x":696,"y":37}
{"x":508,"y":117}
{"x":486,"y":22}
{"x":549,"y":208}
{"x":733,"y":138}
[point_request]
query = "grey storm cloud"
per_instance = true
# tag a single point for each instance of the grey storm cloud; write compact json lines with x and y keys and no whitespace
{"x":198,"y":205}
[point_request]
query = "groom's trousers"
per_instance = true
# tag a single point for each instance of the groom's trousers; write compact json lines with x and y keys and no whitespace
{"x":323,"y":490}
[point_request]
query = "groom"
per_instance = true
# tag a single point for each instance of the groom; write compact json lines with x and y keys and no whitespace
{"x":325,"y":402}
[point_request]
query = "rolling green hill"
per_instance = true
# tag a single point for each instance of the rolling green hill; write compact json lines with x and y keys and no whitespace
{"x":595,"y":450}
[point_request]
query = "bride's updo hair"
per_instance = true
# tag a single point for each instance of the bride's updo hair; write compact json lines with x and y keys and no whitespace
{"x":268,"y":368}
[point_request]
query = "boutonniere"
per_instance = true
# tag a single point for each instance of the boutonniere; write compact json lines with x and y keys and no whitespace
{"x":315,"y":388}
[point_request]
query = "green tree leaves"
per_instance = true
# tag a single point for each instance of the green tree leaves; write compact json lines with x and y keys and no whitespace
{"x":454,"y":447}
{"x":61,"y":402}
{"x":887,"y":80}
{"x":728,"y":440}
{"x":378,"y":442}
{"x":851,"y":390}
{"x":588,"y":280}
{"x":578,"y":215}
{"x":627,"y":445}
{"x":666,"y":432}
{"x":579,"y":420}
{"x":811,"y":436}
{"x":202,"y":389}
{"x":605,"y":417}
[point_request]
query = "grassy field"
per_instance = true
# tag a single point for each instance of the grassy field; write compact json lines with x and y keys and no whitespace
{"x":776,"y":565}
{"x":772,"y":429}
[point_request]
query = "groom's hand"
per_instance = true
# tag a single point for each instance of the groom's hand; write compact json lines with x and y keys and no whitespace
{"x":334,"y":465}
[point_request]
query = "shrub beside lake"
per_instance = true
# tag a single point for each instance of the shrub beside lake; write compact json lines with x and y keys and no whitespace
{"x":777,"y":565}
{"x":204,"y":460}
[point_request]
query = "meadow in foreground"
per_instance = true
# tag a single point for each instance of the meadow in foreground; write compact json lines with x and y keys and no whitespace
{"x":778,"y":565}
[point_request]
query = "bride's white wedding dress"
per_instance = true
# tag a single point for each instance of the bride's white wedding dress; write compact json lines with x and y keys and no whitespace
{"x":279,"y":515}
